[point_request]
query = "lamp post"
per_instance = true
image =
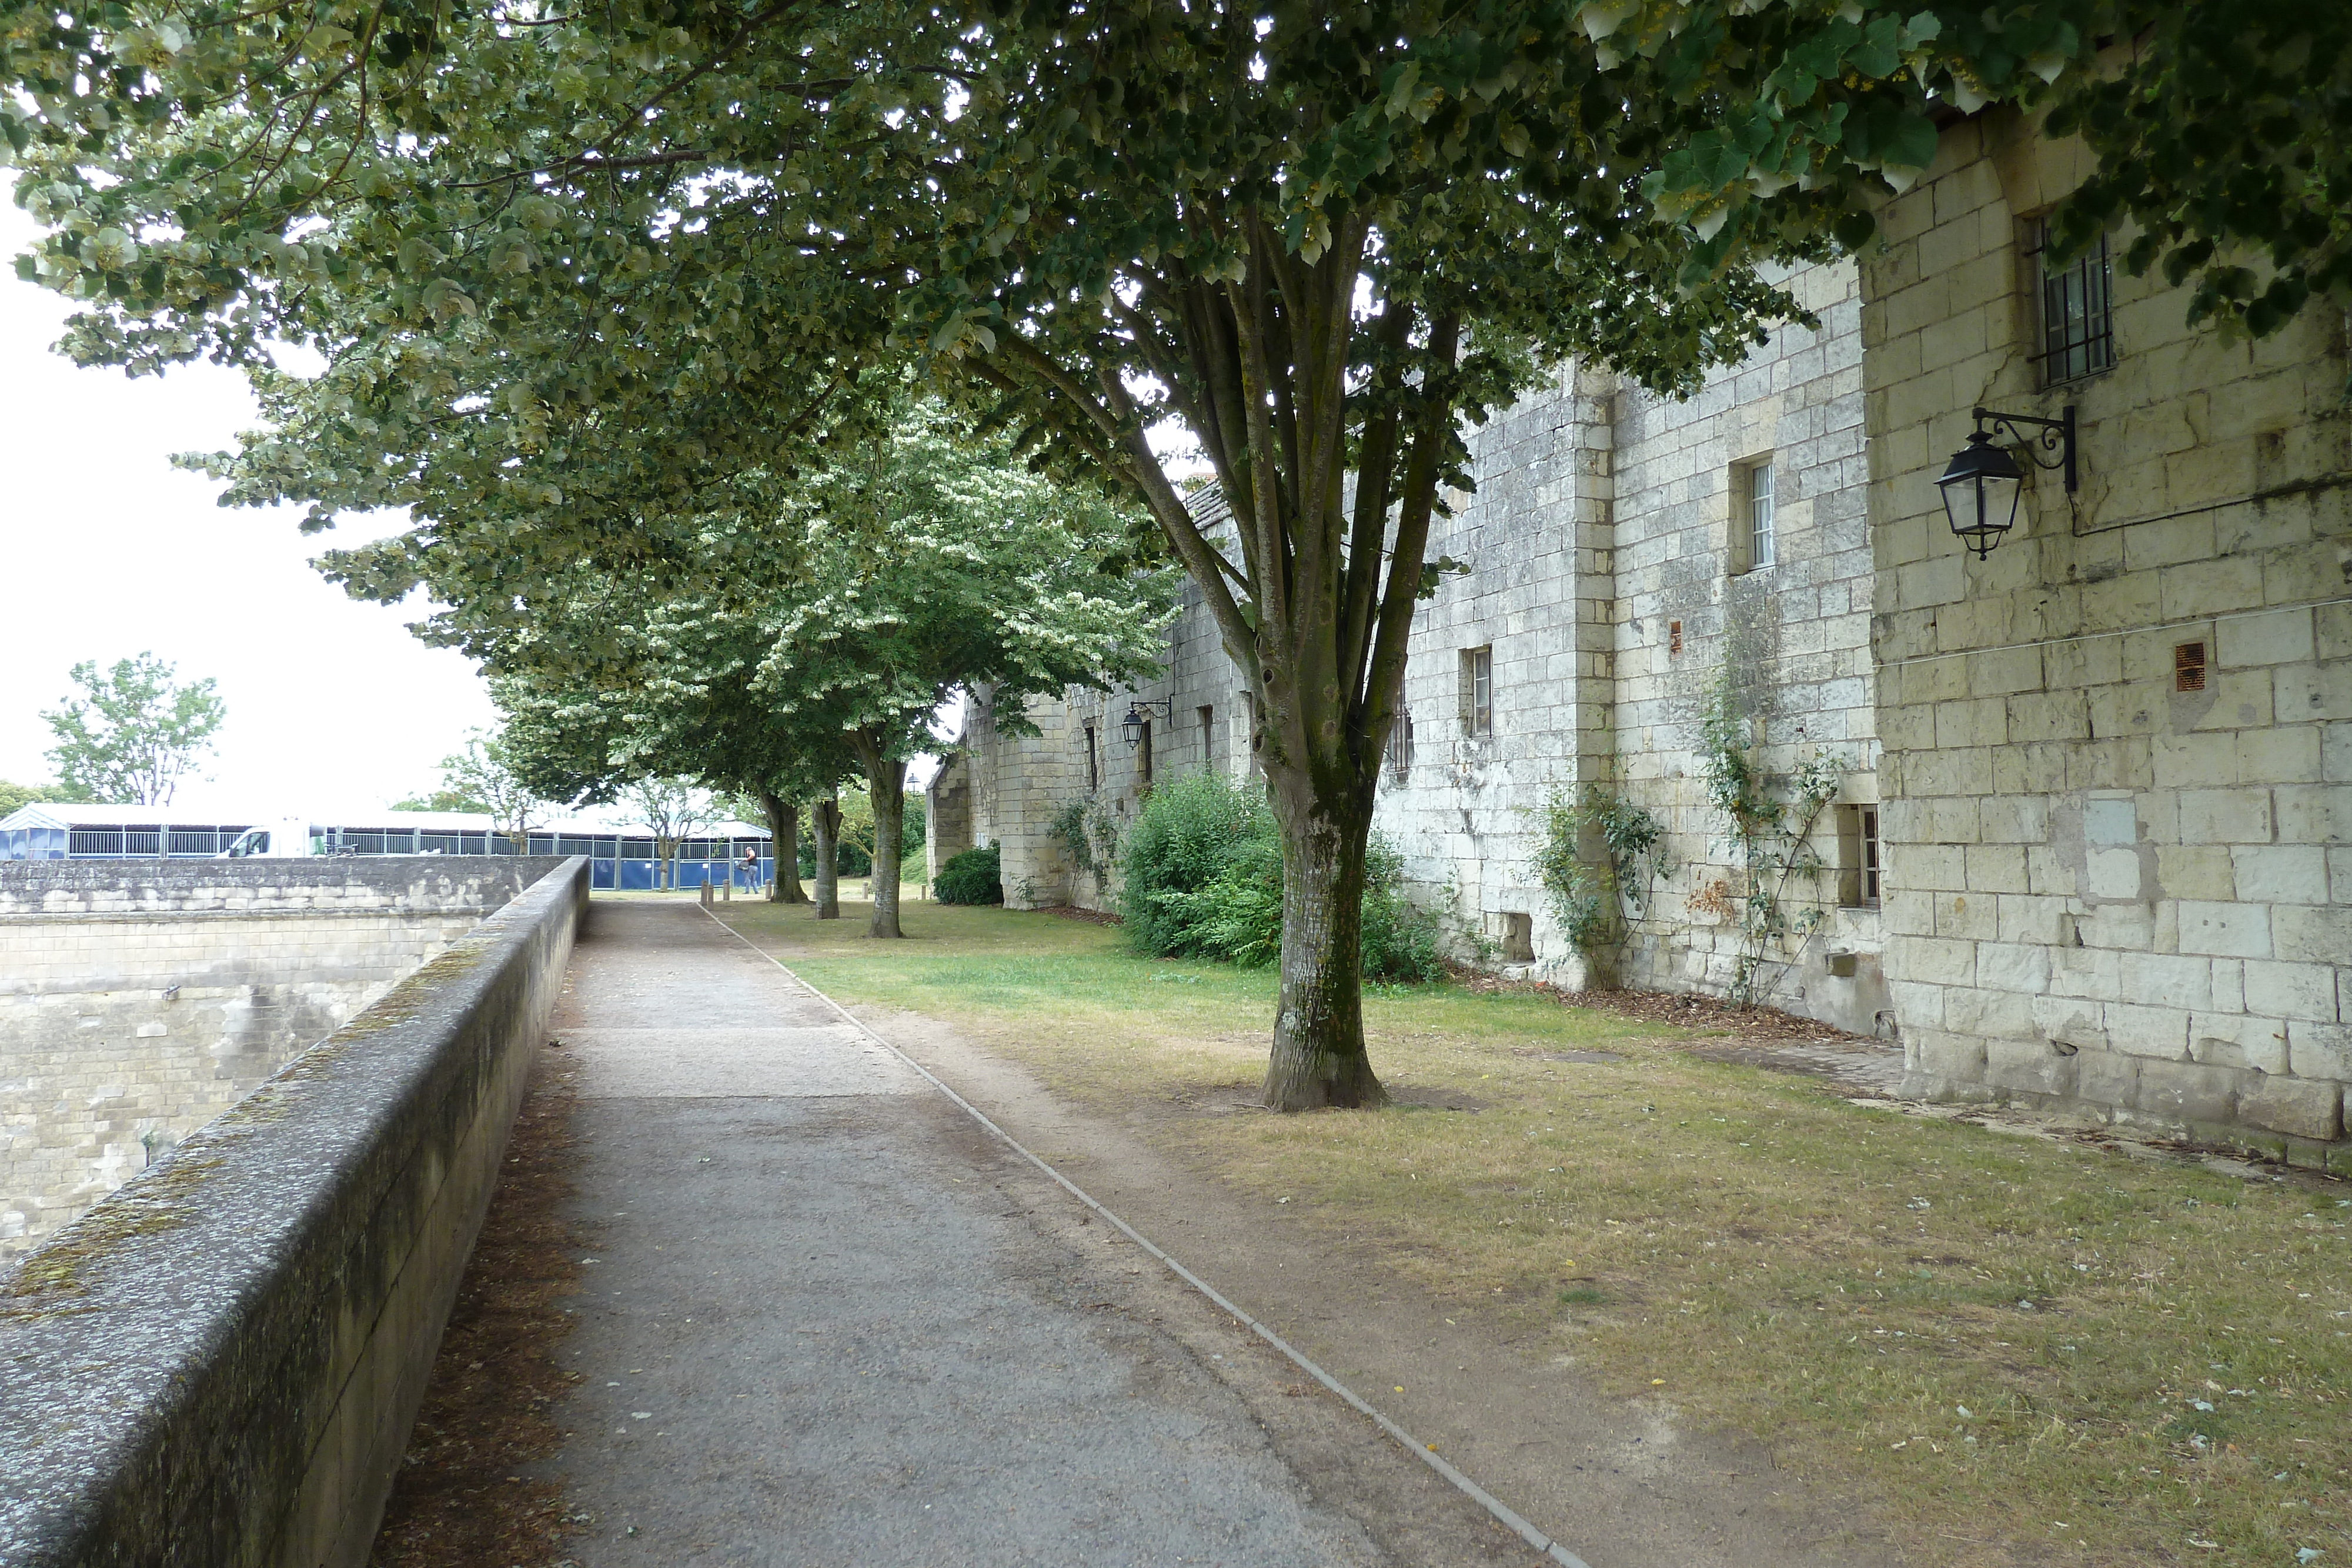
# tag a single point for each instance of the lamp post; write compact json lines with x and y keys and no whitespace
{"x":1982,"y":482}
{"x":1139,"y":714}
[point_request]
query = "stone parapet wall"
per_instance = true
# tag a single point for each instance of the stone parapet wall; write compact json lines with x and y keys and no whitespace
{"x":220,"y":1363}
{"x":2115,"y":889}
{"x":295,"y":885}
{"x":138,"y":999}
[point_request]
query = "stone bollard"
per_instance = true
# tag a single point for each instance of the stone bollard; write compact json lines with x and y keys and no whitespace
{"x":706,"y":893}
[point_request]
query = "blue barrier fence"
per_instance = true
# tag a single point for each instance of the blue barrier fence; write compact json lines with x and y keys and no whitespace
{"x":613,"y":875}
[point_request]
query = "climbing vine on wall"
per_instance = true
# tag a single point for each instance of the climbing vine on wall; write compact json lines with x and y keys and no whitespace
{"x":1771,"y":836}
{"x":1089,"y":836}
{"x":1597,"y":902}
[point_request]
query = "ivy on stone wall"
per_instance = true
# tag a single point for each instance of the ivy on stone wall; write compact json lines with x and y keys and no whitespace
{"x":1771,"y":837}
{"x":1597,"y":902}
{"x":1089,"y":836}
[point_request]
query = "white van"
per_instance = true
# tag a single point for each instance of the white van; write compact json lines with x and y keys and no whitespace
{"x":288,"y":838}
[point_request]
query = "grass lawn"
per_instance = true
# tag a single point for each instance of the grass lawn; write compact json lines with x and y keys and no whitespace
{"x":2082,"y":1355}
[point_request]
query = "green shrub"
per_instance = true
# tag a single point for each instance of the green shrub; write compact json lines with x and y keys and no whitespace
{"x":1403,"y":941}
{"x":975,"y":876}
{"x":1190,"y":830}
{"x":1236,"y":915}
{"x":1204,"y":879}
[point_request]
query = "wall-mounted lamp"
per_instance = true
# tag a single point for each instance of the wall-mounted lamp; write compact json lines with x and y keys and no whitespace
{"x":1139,"y":714}
{"x":1981,"y":485}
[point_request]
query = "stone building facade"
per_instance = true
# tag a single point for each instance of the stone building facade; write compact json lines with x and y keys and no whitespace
{"x":2118,"y":750}
{"x":2086,"y":835}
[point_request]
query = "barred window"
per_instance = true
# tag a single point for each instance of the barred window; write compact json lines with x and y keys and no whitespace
{"x":2078,"y":331}
{"x":1858,"y":856}
{"x":1400,"y":748}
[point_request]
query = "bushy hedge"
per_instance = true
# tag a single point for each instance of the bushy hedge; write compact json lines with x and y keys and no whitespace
{"x":1191,"y":828}
{"x":1203,"y":866}
{"x":975,"y":876}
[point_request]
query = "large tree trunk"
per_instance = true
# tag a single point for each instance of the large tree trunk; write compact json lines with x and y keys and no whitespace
{"x":1319,"y":1057}
{"x":886,"y":786}
{"x":824,"y":819}
{"x":1263,"y":368}
{"x":784,"y":840}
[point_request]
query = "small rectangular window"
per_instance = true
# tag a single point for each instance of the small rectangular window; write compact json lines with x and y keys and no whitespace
{"x":1478,"y":692}
{"x":1094,"y":769}
{"x":2078,"y":331}
{"x":1143,"y":756}
{"x":1858,"y":856}
{"x":1400,"y":748}
{"x":2189,"y":667}
{"x":1754,"y":538}
{"x":1208,"y":735}
{"x":1761,"y":549}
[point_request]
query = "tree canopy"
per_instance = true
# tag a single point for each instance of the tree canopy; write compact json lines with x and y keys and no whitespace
{"x":13,"y":796}
{"x":592,"y":287}
{"x":133,"y":732}
{"x":925,"y":561}
{"x":486,"y":770}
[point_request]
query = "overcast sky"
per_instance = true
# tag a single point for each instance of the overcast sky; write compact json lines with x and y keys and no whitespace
{"x":106,"y":551}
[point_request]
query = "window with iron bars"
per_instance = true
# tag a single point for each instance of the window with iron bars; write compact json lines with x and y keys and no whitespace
{"x":1400,"y":748}
{"x":1858,"y":856}
{"x":2078,"y":328}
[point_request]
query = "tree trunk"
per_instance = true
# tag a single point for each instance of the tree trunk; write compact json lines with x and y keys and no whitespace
{"x":886,"y":786}
{"x":825,"y":820}
{"x":1319,"y":1057}
{"x":784,"y":843}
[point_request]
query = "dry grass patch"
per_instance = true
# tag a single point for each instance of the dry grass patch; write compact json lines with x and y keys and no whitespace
{"x":2023,"y":1349}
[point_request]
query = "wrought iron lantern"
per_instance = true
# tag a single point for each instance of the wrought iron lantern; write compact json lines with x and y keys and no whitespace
{"x":1981,"y":483}
{"x":1139,"y":714}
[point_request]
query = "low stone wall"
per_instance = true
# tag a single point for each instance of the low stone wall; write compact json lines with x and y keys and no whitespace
{"x":178,"y":890}
{"x":138,"y":999}
{"x":219,"y":1364}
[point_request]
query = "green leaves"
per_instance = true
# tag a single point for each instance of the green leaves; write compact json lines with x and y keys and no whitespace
{"x":133,"y":732}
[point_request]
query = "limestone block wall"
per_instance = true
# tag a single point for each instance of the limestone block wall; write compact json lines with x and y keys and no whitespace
{"x":947,"y":817}
{"x":2112,"y":891}
{"x":1463,"y":810}
{"x":1017,"y":782}
{"x":1598,"y":541}
{"x":1604,"y":580}
{"x":137,"y":1000}
{"x":220,"y":1363}
{"x":1021,"y":785}
{"x":1792,"y":638}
